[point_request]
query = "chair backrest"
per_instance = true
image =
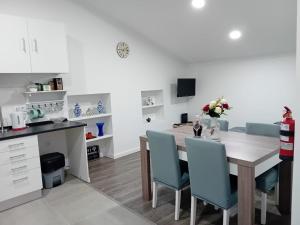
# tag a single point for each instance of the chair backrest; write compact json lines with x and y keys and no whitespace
{"x":205,"y":122}
{"x":164,"y":158}
{"x":224,"y":125}
{"x":270,"y":130}
{"x":238,"y":129}
{"x":209,"y":172}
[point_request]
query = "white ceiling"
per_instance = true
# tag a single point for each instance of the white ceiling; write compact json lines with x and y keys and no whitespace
{"x":268,"y":26}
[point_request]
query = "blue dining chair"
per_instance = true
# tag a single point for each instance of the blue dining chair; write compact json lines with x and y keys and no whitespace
{"x":238,"y":129}
{"x":166,"y":169}
{"x":209,"y":177}
{"x":224,"y":124}
{"x":270,"y":179}
{"x":205,"y":122}
{"x":263,"y":129}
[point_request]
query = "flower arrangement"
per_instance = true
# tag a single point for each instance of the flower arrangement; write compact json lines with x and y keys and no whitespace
{"x":216,"y":108}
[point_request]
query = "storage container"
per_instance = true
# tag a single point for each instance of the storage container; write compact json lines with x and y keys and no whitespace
{"x":52,"y":166}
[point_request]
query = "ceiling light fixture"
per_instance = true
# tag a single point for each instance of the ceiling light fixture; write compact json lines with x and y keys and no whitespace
{"x":198,"y":4}
{"x":235,"y":34}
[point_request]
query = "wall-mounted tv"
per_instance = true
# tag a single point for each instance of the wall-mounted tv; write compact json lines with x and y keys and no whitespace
{"x":186,"y":87}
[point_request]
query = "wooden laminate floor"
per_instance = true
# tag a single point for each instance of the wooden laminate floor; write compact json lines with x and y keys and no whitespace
{"x":120,"y":179}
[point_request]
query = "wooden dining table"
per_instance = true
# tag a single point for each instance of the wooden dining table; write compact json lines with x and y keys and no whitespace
{"x":248,"y":156}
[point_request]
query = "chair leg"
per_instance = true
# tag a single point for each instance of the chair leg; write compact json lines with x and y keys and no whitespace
{"x":154,"y":199}
{"x":177,"y":204}
{"x":233,"y":211}
{"x":226,"y":216}
{"x":277,"y":194}
{"x":193,"y":210}
{"x":263,"y":216}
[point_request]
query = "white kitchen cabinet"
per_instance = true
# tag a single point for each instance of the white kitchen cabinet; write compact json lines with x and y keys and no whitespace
{"x":14,"y":45}
{"x":48,"y":47}
{"x":20,"y":170}
{"x":32,"y":46}
{"x":21,"y":183}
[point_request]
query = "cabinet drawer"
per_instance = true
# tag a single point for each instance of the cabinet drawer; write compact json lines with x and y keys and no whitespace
{"x":19,"y":167}
{"x":19,"y":184}
{"x":18,"y":144}
{"x":20,"y":154}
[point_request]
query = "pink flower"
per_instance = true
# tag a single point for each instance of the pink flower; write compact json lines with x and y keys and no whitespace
{"x":225,"y":106}
{"x":206,"y":108}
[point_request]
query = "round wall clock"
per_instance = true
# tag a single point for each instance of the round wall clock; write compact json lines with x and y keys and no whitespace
{"x":123,"y":49}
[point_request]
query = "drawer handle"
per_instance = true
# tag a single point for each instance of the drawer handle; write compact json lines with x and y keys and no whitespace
{"x":17,"y":149}
{"x":18,"y":161}
{"x":19,"y":168}
{"x":16,"y":145}
{"x":20,"y":180}
{"x":17,"y":156}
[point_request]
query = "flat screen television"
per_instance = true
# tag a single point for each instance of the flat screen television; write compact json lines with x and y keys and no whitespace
{"x":186,"y":87}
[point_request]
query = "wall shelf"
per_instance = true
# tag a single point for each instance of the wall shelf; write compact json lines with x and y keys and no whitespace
{"x":91,"y":117}
{"x":152,"y":106}
{"x":53,"y":103}
{"x":45,"y":92}
{"x":90,"y":102}
{"x":99,"y":138}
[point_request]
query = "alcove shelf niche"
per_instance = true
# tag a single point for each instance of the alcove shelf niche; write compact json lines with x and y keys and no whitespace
{"x":152,"y":102}
{"x":91,"y":114}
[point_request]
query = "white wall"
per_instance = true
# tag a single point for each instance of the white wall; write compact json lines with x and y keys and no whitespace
{"x":256,"y":88}
{"x":95,"y":66}
{"x":296,"y":169}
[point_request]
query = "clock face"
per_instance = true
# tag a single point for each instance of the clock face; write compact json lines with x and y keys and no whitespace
{"x":123,"y":49}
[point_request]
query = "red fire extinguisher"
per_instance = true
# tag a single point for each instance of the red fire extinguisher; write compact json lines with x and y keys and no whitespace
{"x":287,"y":136}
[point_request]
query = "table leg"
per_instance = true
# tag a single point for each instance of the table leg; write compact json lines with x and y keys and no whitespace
{"x":285,"y":187}
{"x":145,"y":171}
{"x":246,"y":195}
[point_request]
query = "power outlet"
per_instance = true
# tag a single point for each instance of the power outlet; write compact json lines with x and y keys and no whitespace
{"x":21,"y":108}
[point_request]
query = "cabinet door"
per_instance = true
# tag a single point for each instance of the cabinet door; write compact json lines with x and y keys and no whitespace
{"x":48,"y":47}
{"x":14,"y":45}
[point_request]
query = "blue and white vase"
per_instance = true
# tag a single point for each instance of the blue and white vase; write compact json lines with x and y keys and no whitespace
{"x":77,"y":110}
{"x":100,"y":107}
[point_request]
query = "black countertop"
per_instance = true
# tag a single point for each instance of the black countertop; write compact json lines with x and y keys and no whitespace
{"x":35,"y":130}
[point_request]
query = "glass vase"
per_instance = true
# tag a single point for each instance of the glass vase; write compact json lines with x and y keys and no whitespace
{"x":214,"y":130}
{"x":100,"y":127}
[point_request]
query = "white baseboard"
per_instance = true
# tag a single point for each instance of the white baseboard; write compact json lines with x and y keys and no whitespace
{"x":125,"y":153}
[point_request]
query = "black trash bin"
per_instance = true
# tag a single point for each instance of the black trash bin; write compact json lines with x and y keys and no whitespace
{"x":52,"y":165}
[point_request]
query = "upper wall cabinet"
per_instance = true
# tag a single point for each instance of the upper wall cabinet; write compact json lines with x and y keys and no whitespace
{"x":14,"y":46}
{"x":48,"y":47}
{"x":32,"y":46}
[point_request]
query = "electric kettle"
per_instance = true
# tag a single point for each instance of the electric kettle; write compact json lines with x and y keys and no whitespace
{"x":18,"y":120}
